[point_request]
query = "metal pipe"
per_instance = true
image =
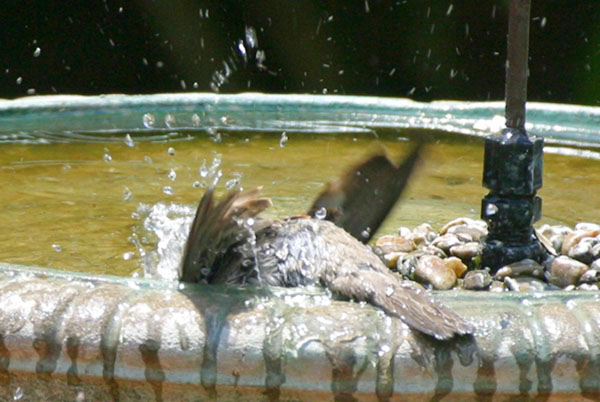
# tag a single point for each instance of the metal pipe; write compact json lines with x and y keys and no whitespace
{"x":68,"y":336}
{"x":517,"y":63}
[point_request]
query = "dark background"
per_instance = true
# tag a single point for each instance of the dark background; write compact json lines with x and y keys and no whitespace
{"x":413,"y":48}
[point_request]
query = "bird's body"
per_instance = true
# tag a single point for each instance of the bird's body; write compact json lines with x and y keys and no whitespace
{"x":229,"y":243}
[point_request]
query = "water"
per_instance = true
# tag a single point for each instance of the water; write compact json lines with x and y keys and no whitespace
{"x":65,"y":206}
{"x":76,"y":170}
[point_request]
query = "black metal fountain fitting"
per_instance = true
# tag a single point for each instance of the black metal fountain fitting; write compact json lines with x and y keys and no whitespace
{"x":513,"y":173}
{"x":513,"y":161}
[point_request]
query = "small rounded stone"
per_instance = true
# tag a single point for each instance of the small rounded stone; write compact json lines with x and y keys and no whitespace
{"x":395,"y":244}
{"x":529,"y":284}
{"x":446,"y":241}
{"x":457,"y":266}
{"x":497,"y":287}
{"x":478,"y":280}
{"x":467,"y":251}
{"x":468,"y":232}
{"x":575,"y":237}
{"x":565,"y":271}
{"x":432,"y":270}
{"x":555,"y":234}
{"x":582,"y":251}
{"x":391,"y":259}
{"x":590,"y":276}
{"x":523,"y":267}
{"x":424,"y":233}
{"x":464,"y":221}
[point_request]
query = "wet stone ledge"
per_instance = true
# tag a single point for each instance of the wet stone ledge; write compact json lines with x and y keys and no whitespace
{"x":69,"y":336}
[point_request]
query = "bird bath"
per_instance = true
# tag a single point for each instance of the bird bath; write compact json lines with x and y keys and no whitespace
{"x":81,"y":174}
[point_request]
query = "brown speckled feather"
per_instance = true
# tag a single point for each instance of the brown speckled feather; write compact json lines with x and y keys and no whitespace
{"x":377,"y":183}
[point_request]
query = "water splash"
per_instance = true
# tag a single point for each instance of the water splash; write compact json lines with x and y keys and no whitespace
{"x":161,"y":238}
{"x":244,"y":53}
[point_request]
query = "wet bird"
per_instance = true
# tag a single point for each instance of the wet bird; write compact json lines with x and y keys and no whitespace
{"x":230,"y":243}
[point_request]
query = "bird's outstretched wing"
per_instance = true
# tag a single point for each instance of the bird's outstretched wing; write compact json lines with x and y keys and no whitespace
{"x":216,"y":228}
{"x":401,"y":299}
{"x":361,"y":199}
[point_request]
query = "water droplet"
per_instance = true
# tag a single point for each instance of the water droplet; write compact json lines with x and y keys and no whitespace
{"x":129,"y":141}
{"x":250,"y":221}
{"x":107,"y":158}
{"x":19,"y":80}
{"x":242,"y":49}
{"x":283,"y":140}
{"x":389,"y":291}
{"x":216,"y":138}
{"x":203,"y":170}
{"x":231,"y":183}
{"x":128,"y":255}
{"x":18,"y":394}
{"x":321,"y":213}
{"x":198,"y":184}
{"x":147,"y":159}
{"x":31,"y":91}
{"x":168,"y":190}
{"x":170,"y":120}
{"x":149,"y":120}
{"x":491,"y":209}
{"x":250,"y":38}
{"x":57,"y":248}
{"x":196,"y":120}
{"x":172,"y":175}
{"x":366,"y":233}
{"x":127,"y":194}
{"x":37,"y":52}
{"x":171,"y":151}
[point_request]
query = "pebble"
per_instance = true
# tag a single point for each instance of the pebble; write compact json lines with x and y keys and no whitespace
{"x":555,"y":234}
{"x":587,"y":286}
{"x":468,"y":233}
{"x":441,"y":260}
{"x":467,"y":251}
{"x":512,"y":284}
{"x":590,"y":276}
{"x":587,"y":226}
{"x":528,"y":284}
{"x":575,"y":237}
{"x":523,"y":267}
{"x":395,"y":244}
{"x":584,"y":250}
{"x":457,"y":266}
{"x":446,"y":241}
{"x":497,"y":287}
{"x":424,"y":233}
{"x":474,"y":223}
{"x":391,"y":259}
{"x":477,"y":280}
{"x":432,"y":270}
{"x":565,"y":271}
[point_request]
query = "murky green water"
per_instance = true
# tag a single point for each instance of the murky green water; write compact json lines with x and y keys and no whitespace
{"x":70,"y":206}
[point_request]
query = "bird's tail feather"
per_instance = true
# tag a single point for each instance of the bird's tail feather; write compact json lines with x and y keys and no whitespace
{"x":216,"y":228}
